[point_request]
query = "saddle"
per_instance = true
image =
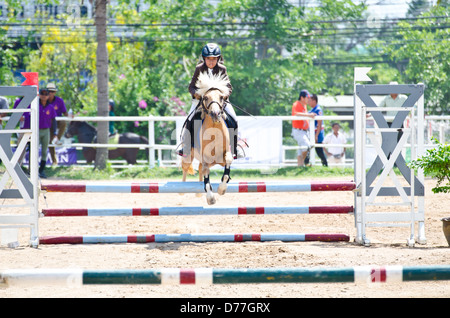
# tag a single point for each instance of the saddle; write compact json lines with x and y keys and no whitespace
{"x":189,"y":124}
{"x":231,"y":124}
{"x":113,"y":140}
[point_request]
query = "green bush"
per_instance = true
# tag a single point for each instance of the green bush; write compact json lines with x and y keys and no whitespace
{"x":436,"y":163}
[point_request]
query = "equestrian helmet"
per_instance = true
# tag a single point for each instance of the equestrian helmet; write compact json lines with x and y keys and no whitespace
{"x":211,"y":49}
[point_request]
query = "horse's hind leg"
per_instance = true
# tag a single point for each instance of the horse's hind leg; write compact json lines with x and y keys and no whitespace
{"x":200,"y":177}
{"x":226,"y":174}
{"x":187,"y":168}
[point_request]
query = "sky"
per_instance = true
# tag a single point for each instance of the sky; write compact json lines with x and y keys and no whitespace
{"x":379,"y":8}
{"x":388,"y":8}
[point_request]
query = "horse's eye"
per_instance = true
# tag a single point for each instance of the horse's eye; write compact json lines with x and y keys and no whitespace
{"x":205,"y":98}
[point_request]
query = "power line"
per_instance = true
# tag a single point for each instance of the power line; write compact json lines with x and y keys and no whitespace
{"x":333,"y":31}
{"x":218,"y":23}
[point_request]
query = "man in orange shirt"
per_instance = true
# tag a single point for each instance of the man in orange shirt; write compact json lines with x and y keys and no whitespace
{"x":300,"y":127}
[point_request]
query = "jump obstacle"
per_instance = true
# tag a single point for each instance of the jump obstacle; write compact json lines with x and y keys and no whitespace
{"x":196,"y":187}
{"x":212,"y":276}
{"x":368,"y":185}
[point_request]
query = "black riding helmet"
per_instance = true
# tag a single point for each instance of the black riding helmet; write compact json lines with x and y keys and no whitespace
{"x":211,"y":49}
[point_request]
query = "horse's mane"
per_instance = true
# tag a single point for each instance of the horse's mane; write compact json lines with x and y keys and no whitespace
{"x":205,"y":82}
{"x":91,"y":127}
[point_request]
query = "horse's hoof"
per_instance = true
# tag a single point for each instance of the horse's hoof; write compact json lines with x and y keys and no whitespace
{"x":222,"y":189}
{"x":211,"y":200}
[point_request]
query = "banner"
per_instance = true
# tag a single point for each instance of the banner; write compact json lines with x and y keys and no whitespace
{"x":65,"y":156}
{"x":263,"y":136}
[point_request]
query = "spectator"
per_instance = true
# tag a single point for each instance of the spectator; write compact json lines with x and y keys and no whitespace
{"x":335,"y":154}
{"x":112,"y":130}
{"x":393,"y":100}
{"x":300,"y":127}
{"x":319,"y":131}
{"x":47,"y":127}
{"x":4,"y":104}
{"x":61,"y":110}
{"x":24,"y":124}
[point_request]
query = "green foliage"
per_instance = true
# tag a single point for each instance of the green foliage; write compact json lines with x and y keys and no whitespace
{"x":436,"y":163}
{"x":272,"y":50}
{"x":421,"y":49}
{"x":67,"y":58}
{"x":8,"y":59}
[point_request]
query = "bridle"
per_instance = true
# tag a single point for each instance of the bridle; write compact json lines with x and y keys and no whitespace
{"x":205,"y":108}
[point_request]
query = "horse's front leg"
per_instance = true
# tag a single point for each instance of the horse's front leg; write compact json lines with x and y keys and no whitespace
{"x":226,"y":174}
{"x":208,"y":188}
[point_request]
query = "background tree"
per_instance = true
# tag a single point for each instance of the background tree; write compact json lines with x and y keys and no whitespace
{"x":423,"y":49}
{"x":102,"y":81}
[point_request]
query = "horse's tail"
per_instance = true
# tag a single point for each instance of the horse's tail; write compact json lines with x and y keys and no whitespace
{"x":191,"y":170}
{"x":144,"y":140}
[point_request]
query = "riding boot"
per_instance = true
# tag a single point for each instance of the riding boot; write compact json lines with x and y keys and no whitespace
{"x":233,"y":129}
{"x":41,"y":169}
{"x":235,"y":140}
{"x":188,"y":131}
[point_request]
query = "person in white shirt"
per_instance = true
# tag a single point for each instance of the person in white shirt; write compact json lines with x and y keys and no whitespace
{"x":392,"y":100}
{"x":335,"y":154}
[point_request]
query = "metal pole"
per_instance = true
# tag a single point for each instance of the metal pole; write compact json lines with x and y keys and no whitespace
{"x":151,"y":141}
{"x":34,"y":153}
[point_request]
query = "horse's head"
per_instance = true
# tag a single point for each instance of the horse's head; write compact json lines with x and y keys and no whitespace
{"x":213,"y":103}
{"x":213,"y":89}
{"x":72,"y":130}
{"x":83,"y":130}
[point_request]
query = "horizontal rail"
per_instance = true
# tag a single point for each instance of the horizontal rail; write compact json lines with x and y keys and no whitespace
{"x":209,"y":237}
{"x":198,"y":187}
{"x":197,"y":210}
{"x":208,"y":276}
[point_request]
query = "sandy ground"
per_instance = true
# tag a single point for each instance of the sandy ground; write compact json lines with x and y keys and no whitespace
{"x":388,"y":246}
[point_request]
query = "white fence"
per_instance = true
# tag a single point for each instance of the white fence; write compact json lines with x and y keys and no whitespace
{"x":433,"y":124}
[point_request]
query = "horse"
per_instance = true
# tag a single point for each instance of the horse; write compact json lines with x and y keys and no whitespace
{"x":88,"y":134}
{"x":214,"y":138}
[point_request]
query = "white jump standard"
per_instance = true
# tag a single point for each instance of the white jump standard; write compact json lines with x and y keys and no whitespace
{"x":389,"y":154}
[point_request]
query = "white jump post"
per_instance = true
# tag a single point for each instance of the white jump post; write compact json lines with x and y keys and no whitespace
{"x":370,"y":182}
{"x":27,"y":187}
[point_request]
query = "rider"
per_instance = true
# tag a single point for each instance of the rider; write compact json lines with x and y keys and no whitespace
{"x":211,"y":62}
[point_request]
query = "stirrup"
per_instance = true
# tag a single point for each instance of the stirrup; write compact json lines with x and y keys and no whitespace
{"x":180,"y":151}
{"x":181,"y":154}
